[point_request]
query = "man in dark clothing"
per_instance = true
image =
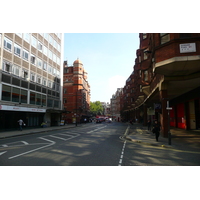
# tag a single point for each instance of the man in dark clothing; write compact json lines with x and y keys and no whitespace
{"x":156,"y":129}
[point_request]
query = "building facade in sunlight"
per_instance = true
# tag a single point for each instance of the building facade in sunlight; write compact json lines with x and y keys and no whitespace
{"x":166,"y":78}
{"x":30,"y":79}
{"x":76,"y":93}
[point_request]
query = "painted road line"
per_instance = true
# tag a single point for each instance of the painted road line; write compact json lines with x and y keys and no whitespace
{"x":57,"y":137}
{"x":122,"y":154}
{"x":51,"y":143}
{"x":96,"y":129}
{"x":26,"y":143}
{"x":2,"y":153}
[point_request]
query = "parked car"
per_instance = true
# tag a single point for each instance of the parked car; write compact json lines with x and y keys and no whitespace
{"x":98,"y":120}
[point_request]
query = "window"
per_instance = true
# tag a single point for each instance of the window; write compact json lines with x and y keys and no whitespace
{"x":58,"y":60}
{"x":59,"y":48}
{"x":44,"y":82}
{"x":27,"y":37}
{"x":50,"y":54}
{"x":164,"y":37}
{"x":7,"y":67}
{"x":49,"y":84}
{"x":65,"y":101}
{"x":49,"y":102}
{"x":17,"y":50}
{"x":46,"y":36}
{"x":145,"y":54}
{"x":25,"y":74}
{"x":145,"y":75}
{"x":39,"y":46}
{"x":43,"y":100}
{"x":15,"y":94}
{"x":25,"y":54}
{"x":16,"y":70}
{"x":49,"y":69}
{"x":139,"y":59}
{"x":32,"y":77}
{"x":50,"y":40}
{"x":39,"y":79}
{"x":57,"y":73}
{"x":6,"y":93}
{"x":32,"y":98}
{"x":55,"y":44}
{"x":7,"y":44}
{"x":44,"y":65}
{"x":33,"y":59}
{"x":24,"y":95}
{"x":54,"y":71}
{"x":65,"y":90}
{"x":39,"y":63}
{"x":144,"y":36}
{"x":38,"y":99}
{"x":44,"y":50}
{"x":33,"y":41}
{"x":54,"y":58}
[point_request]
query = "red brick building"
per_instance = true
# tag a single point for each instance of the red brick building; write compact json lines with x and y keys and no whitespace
{"x":76,"y":93}
{"x":167,"y":69}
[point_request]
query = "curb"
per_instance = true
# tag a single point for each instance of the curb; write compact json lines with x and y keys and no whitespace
{"x":147,"y":143}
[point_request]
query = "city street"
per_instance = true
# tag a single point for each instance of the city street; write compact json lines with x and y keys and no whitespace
{"x":89,"y":145}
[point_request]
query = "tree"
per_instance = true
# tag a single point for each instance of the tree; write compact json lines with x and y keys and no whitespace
{"x":96,"y":108}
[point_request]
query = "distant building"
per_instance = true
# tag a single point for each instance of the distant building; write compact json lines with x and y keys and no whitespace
{"x":76,"y":93}
{"x":106,"y":109}
{"x":115,"y":105}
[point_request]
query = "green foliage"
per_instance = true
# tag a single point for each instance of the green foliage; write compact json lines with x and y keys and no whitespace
{"x":96,"y":108}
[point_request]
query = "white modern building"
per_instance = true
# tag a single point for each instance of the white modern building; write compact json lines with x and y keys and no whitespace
{"x":31,"y":77}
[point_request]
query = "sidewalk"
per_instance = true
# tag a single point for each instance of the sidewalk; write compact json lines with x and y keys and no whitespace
{"x":28,"y":131}
{"x":180,"y":139}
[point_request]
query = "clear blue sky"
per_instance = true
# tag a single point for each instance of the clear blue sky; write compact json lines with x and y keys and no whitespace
{"x":107,"y":57}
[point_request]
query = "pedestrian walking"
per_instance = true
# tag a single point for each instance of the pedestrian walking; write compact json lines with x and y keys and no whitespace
{"x":156,"y":129}
{"x":85,"y":120}
{"x":149,"y":125}
{"x":20,"y":124}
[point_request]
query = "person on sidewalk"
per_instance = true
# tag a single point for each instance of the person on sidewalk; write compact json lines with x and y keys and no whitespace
{"x":149,"y":125}
{"x":20,"y":124}
{"x":156,"y":129}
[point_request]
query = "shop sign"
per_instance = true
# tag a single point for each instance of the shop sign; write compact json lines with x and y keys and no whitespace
{"x":187,"y":48}
{"x":24,"y":109}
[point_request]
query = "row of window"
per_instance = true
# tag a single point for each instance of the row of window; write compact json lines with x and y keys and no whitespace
{"x":8,"y":45}
{"x":8,"y":67}
{"x":17,"y":95}
{"x":18,"y":71}
{"x":33,"y":41}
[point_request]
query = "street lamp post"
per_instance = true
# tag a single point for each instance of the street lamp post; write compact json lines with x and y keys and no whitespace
{"x":169,"y":134}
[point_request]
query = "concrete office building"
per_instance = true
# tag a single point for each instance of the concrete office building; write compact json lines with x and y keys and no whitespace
{"x":30,"y":79}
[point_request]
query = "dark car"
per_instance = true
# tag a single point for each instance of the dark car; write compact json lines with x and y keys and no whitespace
{"x":98,"y":120}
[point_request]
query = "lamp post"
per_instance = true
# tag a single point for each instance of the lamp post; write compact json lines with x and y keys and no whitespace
{"x":169,"y":134}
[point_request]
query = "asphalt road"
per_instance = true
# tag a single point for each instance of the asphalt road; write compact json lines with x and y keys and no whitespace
{"x":88,"y":145}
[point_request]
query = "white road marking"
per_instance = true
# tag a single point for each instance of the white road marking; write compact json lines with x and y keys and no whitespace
{"x":26,"y":143}
{"x":57,"y":137}
{"x":2,"y":153}
{"x":4,"y":145}
{"x":122,"y":154}
{"x":51,"y":143}
{"x":96,"y":129}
